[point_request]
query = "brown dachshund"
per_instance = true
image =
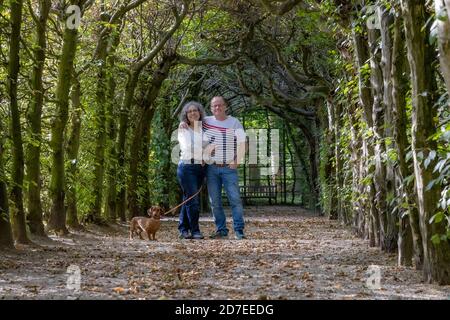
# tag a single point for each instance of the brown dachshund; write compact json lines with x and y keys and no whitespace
{"x":149,"y":225}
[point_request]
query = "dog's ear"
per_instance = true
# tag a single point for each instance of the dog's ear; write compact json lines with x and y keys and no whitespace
{"x":150,"y":212}
{"x":154,"y":210}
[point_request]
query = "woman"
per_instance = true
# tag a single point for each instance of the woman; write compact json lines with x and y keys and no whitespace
{"x":191,"y":168}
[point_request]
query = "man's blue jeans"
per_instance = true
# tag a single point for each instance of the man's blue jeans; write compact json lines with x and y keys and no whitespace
{"x":216,"y":177}
{"x":190,"y":177}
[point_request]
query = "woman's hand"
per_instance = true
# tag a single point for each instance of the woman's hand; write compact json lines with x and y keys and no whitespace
{"x":183,"y":125}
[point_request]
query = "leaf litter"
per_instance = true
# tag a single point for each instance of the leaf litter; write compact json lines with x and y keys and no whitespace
{"x":290,"y":253}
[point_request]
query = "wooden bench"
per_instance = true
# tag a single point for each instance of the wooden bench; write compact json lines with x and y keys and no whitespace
{"x":256,"y":192}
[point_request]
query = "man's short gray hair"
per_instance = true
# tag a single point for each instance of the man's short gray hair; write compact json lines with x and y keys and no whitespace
{"x":183,"y":114}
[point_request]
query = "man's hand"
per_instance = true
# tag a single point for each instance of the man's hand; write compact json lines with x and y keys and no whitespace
{"x":183,"y":125}
{"x":233,"y":165}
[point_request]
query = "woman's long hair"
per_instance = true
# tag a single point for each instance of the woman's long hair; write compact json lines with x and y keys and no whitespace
{"x":183,"y":114}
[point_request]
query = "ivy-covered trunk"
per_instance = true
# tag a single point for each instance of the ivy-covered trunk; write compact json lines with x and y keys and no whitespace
{"x":436,"y":266}
{"x":338,"y":162}
{"x":366,"y":101}
{"x":132,"y":80}
{"x":167,"y":122}
{"x":144,"y":120}
{"x":409,"y":238}
{"x":378,"y":112}
{"x":442,"y":9}
{"x":57,"y":221}
{"x":100,"y":142}
{"x":144,"y":174}
{"x":301,"y":155}
{"x":73,"y":145}
{"x":16,"y":196}
{"x":357,"y":165}
{"x":330,"y":174}
{"x":34,"y":118}
{"x":391,"y":230}
{"x":314,"y":164}
{"x":111,"y":113}
{"x":130,"y":87}
{"x":6,"y":239}
{"x":100,"y":117}
{"x":136,"y":158}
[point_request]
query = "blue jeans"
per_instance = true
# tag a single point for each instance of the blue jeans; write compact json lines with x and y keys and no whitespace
{"x":190,"y":177}
{"x":228,"y":178}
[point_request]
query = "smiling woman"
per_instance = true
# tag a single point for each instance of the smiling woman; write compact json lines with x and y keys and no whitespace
{"x":191,"y":168}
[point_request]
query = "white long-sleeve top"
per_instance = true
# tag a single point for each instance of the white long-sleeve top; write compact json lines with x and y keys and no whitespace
{"x":192,"y":143}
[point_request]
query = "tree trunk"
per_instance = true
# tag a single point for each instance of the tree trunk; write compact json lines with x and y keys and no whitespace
{"x":160,"y":74}
{"x":409,"y":233}
{"x":34,"y":117}
{"x":146,"y":201}
{"x":313,"y":162}
{"x":378,"y":111}
{"x":16,"y":196}
{"x":100,"y":119}
{"x":99,"y":162}
{"x":130,"y":87}
{"x":355,"y":160}
{"x":330,"y":173}
{"x":73,"y":145}
{"x":436,"y":266}
{"x":105,"y":123}
{"x":123,"y":128}
{"x":300,"y":152}
{"x":366,"y":100}
{"x":57,"y":221}
{"x":141,"y":130}
{"x":391,"y":230}
{"x":111,"y":199}
{"x":442,"y":8}
{"x":342,"y":217}
{"x":6,"y":239}
{"x":167,"y":121}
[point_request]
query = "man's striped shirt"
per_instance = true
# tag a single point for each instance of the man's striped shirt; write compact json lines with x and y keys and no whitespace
{"x":225,"y":135}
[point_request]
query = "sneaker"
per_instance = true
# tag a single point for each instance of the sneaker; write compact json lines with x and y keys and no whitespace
{"x":218,"y":235}
{"x":185,"y":235}
{"x":197,"y":236}
{"x":240,"y":235}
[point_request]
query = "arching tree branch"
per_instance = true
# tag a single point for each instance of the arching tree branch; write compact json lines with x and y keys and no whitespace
{"x":285,"y":6}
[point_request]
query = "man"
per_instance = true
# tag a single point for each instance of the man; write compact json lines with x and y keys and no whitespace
{"x":227,"y":137}
{"x":227,"y":134}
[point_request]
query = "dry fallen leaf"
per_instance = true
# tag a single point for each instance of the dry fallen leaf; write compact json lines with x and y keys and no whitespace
{"x":119,"y":290}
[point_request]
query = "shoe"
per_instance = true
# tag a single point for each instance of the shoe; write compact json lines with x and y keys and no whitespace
{"x":240,"y":235}
{"x":197,"y":236}
{"x":218,"y":235}
{"x":185,"y":235}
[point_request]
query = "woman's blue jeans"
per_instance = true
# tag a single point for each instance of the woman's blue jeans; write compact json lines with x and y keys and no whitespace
{"x":190,"y":177}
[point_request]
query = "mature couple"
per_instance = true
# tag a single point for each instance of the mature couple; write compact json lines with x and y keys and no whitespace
{"x":211,"y":146}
